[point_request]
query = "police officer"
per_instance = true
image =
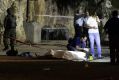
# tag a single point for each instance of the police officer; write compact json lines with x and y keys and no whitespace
{"x":78,"y":23}
{"x":111,"y":28}
{"x":10,"y":30}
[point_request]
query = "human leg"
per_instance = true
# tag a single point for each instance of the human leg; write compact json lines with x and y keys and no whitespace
{"x":112,"y":55}
{"x":98,"y":44}
{"x":117,"y":50}
{"x":112,"y":50}
{"x":78,"y":31}
{"x":117,"y":56}
{"x":91,"y":38}
{"x":6,"y":40}
{"x":12,"y":39}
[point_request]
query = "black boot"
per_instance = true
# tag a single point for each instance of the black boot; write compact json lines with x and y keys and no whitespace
{"x":6,"y":48}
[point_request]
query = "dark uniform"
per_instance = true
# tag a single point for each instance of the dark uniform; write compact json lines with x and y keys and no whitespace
{"x":77,"y":28}
{"x":10,"y":31}
{"x":72,"y":43}
{"x":111,"y":27}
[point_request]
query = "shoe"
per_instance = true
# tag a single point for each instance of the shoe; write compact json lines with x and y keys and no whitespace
{"x":94,"y":58}
{"x":113,"y":63}
{"x":90,"y":58}
{"x":12,"y":53}
{"x":100,"y":57}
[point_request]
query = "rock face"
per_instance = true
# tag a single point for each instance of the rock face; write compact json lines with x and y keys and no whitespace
{"x":43,"y":12}
{"x":18,"y":10}
{"x":52,"y":13}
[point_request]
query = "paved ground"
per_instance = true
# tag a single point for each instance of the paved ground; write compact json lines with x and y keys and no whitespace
{"x":56,"y":45}
{"x":26,"y":68}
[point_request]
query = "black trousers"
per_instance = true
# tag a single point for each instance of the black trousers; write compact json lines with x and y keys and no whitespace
{"x":78,"y":31}
{"x":114,"y":49}
{"x":9,"y":36}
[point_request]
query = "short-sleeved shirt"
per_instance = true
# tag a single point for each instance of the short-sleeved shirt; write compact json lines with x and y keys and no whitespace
{"x":93,"y":21}
{"x":80,"y":21}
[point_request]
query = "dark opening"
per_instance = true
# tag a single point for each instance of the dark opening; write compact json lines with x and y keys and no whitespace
{"x":48,"y":33}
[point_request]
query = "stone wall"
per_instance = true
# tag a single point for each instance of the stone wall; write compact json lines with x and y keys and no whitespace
{"x":43,"y":12}
{"x":18,"y":8}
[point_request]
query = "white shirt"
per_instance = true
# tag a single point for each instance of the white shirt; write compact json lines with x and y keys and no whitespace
{"x":93,"y":22}
{"x":80,"y":21}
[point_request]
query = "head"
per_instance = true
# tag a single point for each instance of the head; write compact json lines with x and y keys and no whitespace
{"x":70,"y":40}
{"x":86,"y":14}
{"x":80,"y":12}
{"x":115,"y":13}
{"x":77,"y":11}
{"x":93,"y":14}
{"x":9,"y":11}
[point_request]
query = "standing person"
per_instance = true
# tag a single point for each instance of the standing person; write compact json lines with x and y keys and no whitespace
{"x":10,"y":30}
{"x":85,"y":30}
{"x":78,"y":26}
{"x":94,"y":36}
{"x":111,"y":28}
{"x":78,"y":23}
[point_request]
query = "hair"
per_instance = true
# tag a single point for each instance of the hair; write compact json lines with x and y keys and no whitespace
{"x":76,"y":11}
{"x":9,"y":11}
{"x":115,"y":13}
